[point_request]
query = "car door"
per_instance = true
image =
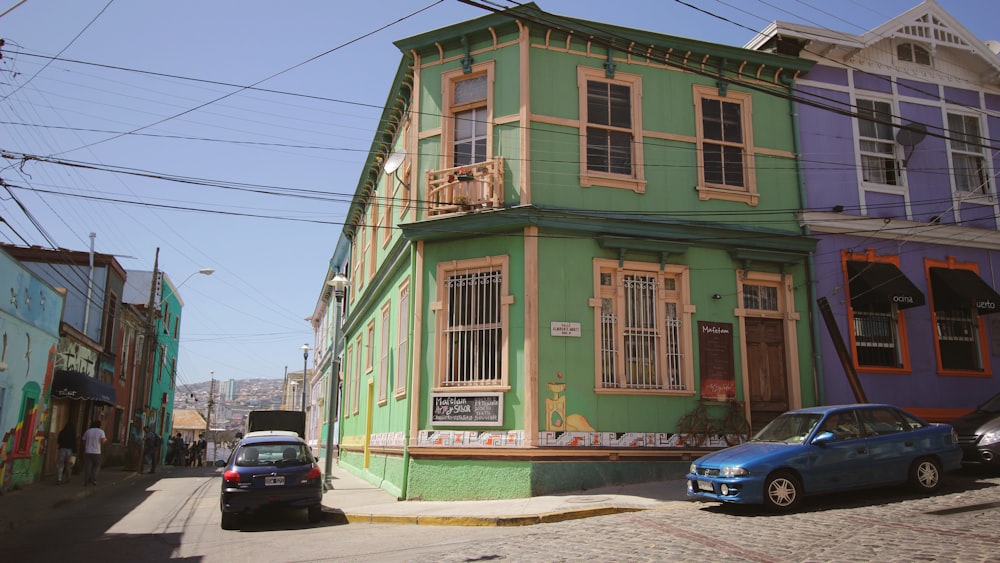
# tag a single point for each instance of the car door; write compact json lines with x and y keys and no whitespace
{"x":842,"y":462}
{"x":891,"y":445}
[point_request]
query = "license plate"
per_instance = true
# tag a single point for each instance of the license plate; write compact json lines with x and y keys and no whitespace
{"x":271,"y":481}
{"x":705,"y":486}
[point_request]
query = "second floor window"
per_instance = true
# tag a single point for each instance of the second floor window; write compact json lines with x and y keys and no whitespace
{"x":471,"y":118}
{"x":609,"y":127}
{"x":967,"y":159}
{"x":878,"y":147}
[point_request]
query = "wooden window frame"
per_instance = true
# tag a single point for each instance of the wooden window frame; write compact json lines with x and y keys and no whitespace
{"x":440,"y":307}
{"x":357,"y":375}
{"x":452,"y":108}
{"x":636,"y":180}
{"x":747,"y":193}
{"x":402,"y":339}
{"x":383,"y":367}
{"x":679,"y":296}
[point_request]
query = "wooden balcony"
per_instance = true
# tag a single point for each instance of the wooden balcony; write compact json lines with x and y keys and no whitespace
{"x":465,"y":188}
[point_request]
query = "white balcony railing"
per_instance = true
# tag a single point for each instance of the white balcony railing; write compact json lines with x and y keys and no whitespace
{"x":465,"y":188}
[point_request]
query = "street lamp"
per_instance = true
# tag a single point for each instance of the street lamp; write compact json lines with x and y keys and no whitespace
{"x":203,"y":271}
{"x":305,"y":357}
{"x":339,"y":284}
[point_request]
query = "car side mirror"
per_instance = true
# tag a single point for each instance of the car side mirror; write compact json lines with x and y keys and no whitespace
{"x":220,"y":463}
{"x":823,"y":438}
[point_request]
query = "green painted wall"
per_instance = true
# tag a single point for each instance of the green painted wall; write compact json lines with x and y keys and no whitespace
{"x":468,"y":480}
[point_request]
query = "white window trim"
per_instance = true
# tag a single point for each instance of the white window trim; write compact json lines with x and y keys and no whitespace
{"x":987,"y":195}
{"x":899,"y":188}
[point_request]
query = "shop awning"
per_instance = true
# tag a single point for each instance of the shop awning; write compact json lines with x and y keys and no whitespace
{"x":962,"y":289}
{"x":69,"y":384}
{"x":882,"y":283}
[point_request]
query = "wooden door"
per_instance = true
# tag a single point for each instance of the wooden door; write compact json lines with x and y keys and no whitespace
{"x":766,"y":370}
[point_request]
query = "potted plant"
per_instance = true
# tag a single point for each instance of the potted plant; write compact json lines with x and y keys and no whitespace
{"x":462,"y":201}
{"x":464,"y":175}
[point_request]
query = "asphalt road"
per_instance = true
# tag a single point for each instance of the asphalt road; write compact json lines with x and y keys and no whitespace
{"x":177,"y":518}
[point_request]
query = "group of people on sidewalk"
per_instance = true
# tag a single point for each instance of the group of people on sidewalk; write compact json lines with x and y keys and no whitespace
{"x":94,"y":437}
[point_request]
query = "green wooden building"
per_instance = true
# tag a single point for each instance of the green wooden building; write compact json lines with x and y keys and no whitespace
{"x":567,"y":237}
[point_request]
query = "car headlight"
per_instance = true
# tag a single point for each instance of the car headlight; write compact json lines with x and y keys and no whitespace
{"x":693,"y":468}
{"x":734,"y":472}
{"x":991,"y":437}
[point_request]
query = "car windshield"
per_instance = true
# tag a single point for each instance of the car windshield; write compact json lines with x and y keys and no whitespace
{"x":276,"y":453}
{"x":993,"y":405}
{"x":788,"y":428}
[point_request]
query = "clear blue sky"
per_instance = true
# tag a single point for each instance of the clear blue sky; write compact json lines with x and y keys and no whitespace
{"x":303,"y":154}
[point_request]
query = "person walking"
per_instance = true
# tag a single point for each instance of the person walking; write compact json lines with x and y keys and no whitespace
{"x":151,"y":443}
{"x":93,"y":439}
{"x":66,"y":456}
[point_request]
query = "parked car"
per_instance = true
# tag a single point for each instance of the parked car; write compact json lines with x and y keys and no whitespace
{"x":270,"y":469}
{"x":979,"y":433}
{"x":827,"y":449}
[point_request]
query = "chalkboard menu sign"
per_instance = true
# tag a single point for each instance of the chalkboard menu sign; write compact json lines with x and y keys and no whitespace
{"x":467,"y":409}
{"x":718,"y":374}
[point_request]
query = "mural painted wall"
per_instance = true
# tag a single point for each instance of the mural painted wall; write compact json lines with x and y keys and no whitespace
{"x":29,"y":328}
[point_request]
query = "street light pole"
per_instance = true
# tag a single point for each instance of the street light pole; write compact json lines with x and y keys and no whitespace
{"x":339,"y":284}
{"x":305,"y":358}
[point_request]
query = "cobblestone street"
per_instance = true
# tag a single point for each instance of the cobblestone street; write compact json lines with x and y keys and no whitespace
{"x":886,"y":525}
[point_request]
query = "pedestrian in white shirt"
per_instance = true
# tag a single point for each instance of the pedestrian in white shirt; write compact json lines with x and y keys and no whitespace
{"x":93,"y":438}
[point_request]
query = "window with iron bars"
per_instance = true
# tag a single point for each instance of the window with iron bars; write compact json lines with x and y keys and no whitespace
{"x":472,"y":323}
{"x":641,"y":331}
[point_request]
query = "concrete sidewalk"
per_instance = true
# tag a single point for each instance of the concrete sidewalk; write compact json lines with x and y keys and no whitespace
{"x":353,"y":500}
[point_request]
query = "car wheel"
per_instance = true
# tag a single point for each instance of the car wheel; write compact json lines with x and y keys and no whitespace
{"x":782,"y":491}
{"x":229,"y":521}
{"x":315,"y":513}
{"x":925,"y":475}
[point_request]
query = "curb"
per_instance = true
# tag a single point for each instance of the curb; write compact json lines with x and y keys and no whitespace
{"x":472,"y":521}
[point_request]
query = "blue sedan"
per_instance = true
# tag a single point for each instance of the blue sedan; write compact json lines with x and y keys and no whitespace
{"x":827,"y":449}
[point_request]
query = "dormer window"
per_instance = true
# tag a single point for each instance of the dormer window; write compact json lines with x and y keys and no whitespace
{"x":913,"y":53}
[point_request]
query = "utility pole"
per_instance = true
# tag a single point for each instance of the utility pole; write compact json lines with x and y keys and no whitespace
{"x":148,"y":346}
{"x":208,"y":429}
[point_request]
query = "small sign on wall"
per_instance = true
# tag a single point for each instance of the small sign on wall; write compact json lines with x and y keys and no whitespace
{"x":467,"y":409}
{"x":564,"y":329}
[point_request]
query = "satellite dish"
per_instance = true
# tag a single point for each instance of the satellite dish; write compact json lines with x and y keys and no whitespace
{"x":393,"y":161}
{"x":911,"y":134}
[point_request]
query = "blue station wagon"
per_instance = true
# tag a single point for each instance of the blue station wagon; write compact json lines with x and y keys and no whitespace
{"x":827,"y":449}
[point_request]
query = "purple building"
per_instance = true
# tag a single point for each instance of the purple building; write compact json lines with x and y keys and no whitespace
{"x":898,"y":140}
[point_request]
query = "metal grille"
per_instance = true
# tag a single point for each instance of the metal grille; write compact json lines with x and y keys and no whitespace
{"x":473,"y":335}
{"x":608,"y":322}
{"x":642,"y":335}
{"x":876,"y":336}
{"x":675,"y":381}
